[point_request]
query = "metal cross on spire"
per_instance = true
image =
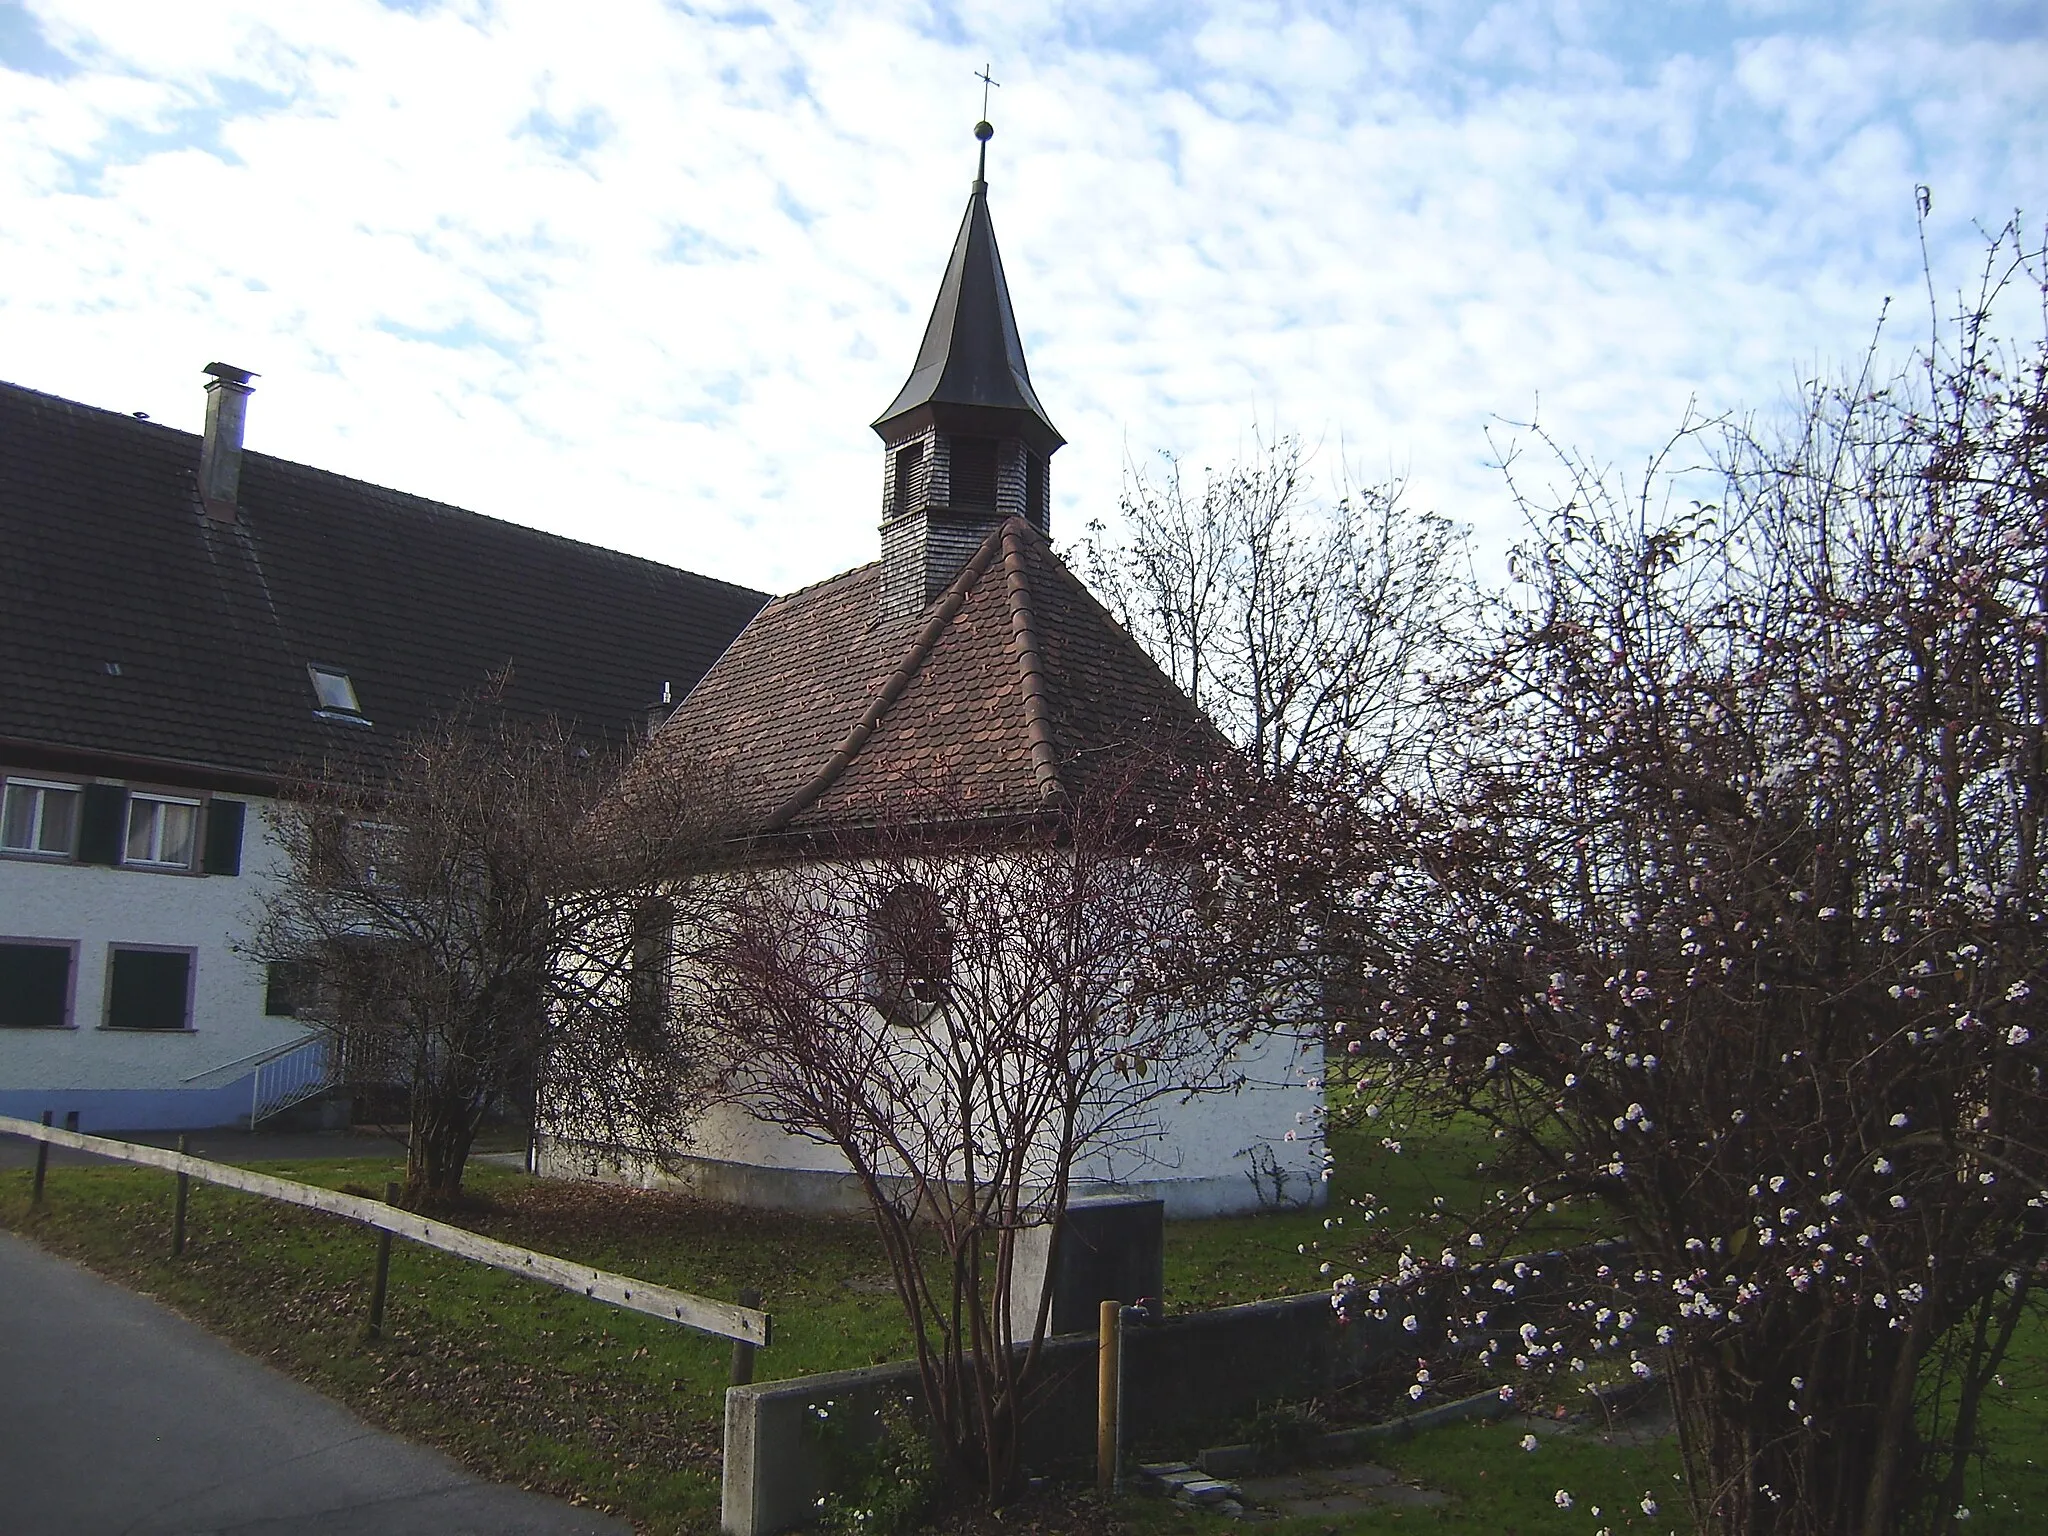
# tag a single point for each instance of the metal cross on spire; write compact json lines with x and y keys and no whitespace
{"x":984,"y":130}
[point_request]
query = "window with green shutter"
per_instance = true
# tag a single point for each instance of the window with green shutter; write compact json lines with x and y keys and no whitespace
{"x":35,"y":983}
{"x":224,"y":820}
{"x":149,"y":988}
{"x":102,"y":823}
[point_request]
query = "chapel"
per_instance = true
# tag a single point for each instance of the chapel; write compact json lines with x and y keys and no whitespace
{"x":966,"y":667}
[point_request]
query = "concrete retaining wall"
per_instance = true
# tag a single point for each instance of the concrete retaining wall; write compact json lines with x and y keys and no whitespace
{"x":1183,"y":1376}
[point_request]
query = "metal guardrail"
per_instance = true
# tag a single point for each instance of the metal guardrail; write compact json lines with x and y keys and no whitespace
{"x":743,"y":1325}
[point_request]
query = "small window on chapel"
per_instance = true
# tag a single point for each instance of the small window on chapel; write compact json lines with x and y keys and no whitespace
{"x":974,"y":474}
{"x":649,"y":975}
{"x":910,"y":954}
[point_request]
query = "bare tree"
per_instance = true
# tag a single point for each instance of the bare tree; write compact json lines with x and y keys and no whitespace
{"x":1728,"y":911}
{"x":457,"y":918}
{"x":973,"y":1024}
{"x":1302,"y":626}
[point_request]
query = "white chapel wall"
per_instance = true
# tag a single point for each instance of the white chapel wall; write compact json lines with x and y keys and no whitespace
{"x":1251,"y":1145}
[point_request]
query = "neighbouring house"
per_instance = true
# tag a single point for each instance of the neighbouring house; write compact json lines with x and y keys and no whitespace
{"x":969,"y":660}
{"x":182,"y":623}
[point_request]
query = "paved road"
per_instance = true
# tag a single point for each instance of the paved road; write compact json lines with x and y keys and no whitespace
{"x":118,"y":1418}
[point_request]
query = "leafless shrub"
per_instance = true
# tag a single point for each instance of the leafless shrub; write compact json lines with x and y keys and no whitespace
{"x":973,"y":1021}
{"x":458,"y":918}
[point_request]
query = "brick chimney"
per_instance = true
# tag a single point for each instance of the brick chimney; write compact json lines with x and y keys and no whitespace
{"x":220,"y":452}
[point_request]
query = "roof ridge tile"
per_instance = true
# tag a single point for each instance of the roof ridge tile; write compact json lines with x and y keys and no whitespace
{"x":1030,"y":672}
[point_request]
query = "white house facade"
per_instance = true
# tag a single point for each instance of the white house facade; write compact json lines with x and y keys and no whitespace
{"x":183,"y":627}
{"x":127,"y":1005}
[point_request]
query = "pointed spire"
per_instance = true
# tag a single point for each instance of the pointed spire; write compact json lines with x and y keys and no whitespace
{"x":972,"y":355}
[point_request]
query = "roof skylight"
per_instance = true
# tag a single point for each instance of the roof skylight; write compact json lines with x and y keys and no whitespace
{"x":336,"y":694}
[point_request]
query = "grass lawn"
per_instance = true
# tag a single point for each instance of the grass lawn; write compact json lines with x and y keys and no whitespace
{"x":530,"y":1385}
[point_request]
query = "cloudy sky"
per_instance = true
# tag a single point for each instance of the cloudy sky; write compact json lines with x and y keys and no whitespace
{"x":643,"y":273}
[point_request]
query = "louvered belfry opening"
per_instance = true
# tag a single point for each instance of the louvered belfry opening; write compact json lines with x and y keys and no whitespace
{"x":966,"y":441}
{"x":906,"y":490}
{"x":974,"y":474}
{"x":1034,"y":492}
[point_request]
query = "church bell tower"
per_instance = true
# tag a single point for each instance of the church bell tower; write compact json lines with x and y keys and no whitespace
{"x":965,"y":442}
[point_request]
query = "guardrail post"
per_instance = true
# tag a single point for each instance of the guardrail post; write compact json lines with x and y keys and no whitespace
{"x":742,"y":1351}
{"x":42,"y":1164}
{"x":178,"y":1210}
{"x":375,"y":1327}
{"x":1108,"y":1352}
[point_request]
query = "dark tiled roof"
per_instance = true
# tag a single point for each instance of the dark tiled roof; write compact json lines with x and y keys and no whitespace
{"x":1014,"y":690}
{"x":106,"y":557}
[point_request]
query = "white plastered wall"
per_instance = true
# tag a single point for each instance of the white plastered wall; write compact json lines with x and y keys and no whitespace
{"x":1254,"y":1145}
{"x":107,"y":1072}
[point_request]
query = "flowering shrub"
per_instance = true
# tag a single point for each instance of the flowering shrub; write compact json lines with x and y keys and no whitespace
{"x":1724,"y":906}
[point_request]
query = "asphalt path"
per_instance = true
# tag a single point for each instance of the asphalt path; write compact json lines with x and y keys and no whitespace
{"x":119,"y":1418}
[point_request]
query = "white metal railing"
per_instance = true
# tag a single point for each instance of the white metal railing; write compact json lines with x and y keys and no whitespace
{"x":287,"y":1078}
{"x":228,"y":1071}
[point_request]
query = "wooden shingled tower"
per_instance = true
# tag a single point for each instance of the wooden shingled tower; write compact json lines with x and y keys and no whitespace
{"x":968,"y":664}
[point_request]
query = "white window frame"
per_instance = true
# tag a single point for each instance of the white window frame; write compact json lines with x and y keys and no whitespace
{"x":140,"y":798}
{"x":376,"y":842}
{"x":34,"y":850}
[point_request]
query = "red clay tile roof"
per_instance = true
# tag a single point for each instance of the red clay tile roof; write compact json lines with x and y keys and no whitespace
{"x":108,"y":559}
{"x":1013,"y":690}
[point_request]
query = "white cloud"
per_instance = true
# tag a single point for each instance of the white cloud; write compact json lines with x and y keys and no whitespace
{"x":643,"y":274}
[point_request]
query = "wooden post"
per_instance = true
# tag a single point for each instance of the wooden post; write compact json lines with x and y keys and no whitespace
{"x":1106,"y":1390}
{"x":42,"y":1163}
{"x":178,"y":1210}
{"x":375,"y":1328}
{"x":742,"y":1351}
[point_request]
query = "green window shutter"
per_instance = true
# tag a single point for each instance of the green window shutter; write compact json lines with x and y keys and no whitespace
{"x":224,"y":837}
{"x":149,"y":989}
{"x":102,"y":824}
{"x":35,"y":986}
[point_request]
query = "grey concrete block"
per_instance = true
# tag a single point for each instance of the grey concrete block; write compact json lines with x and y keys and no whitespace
{"x":1111,"y":1248}
{"x":1229,"y":1460}
{"x":777,"y":1464}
